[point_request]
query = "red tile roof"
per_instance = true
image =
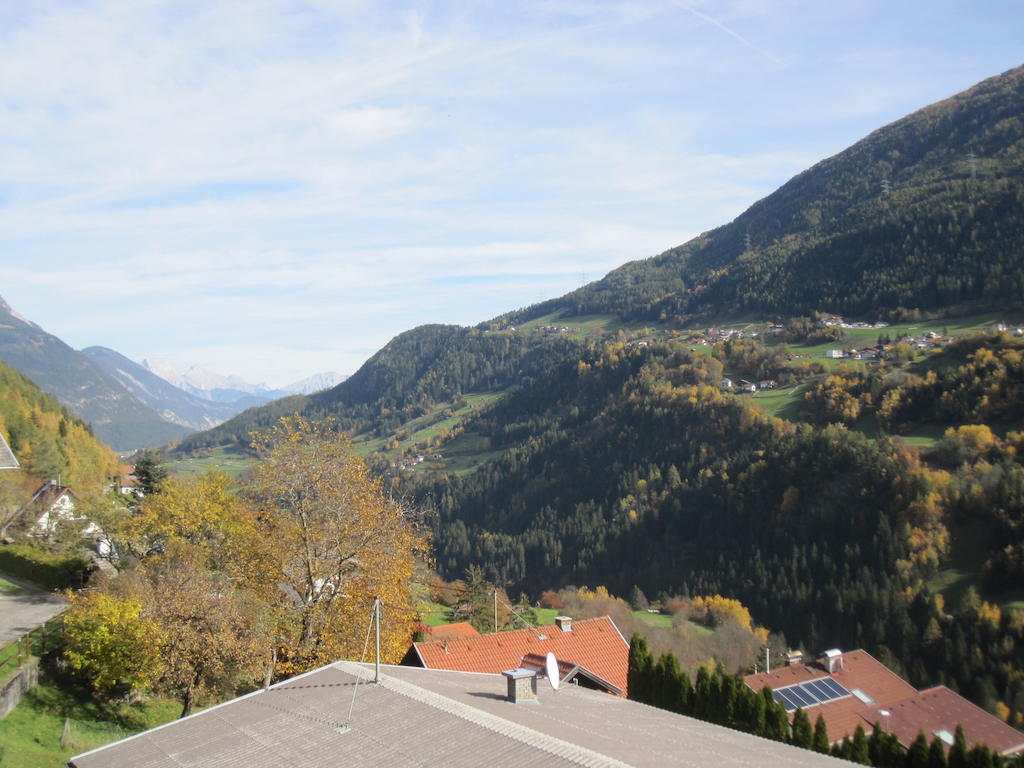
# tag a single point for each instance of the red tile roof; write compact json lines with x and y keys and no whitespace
{"x":909,"y":710}
{"x":449,"y":631}
{"x":569,"y":672}
{"x":940,"y":708}
{"x":594,"y":644}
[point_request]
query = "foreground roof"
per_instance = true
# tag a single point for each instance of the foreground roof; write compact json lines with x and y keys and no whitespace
{"x":334,"y":716}
{"x":594,"y":644}
{"x":7,"y":460}
{"x":879,"y":695}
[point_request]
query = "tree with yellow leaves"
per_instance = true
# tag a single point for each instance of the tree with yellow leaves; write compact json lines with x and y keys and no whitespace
{"x":338,"y":540}
{"x":111,"y":643}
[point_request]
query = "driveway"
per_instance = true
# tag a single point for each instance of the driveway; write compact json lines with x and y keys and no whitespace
{"x":26,"y":609}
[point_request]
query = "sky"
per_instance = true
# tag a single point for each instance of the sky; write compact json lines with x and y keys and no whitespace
{"x":270,"y":189}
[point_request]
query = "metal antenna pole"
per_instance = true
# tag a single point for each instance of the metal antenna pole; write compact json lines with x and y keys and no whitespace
{"x":767,"y":660}
{"x":376,"y":626}
{"x":495,"y":609}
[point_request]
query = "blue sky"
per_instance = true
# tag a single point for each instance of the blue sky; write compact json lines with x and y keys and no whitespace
{"x":270,"y":189}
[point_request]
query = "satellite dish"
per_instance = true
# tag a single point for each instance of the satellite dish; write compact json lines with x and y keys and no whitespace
{"x":551,"y":669}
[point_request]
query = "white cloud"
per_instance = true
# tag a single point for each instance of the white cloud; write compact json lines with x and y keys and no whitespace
{"x":312,"y":178}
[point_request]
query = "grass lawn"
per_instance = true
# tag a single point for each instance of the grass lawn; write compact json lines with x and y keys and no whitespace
{"x":924,"y":436}
{"x":225,"y":459}
{"x":654,"y":619}
{"x":10,"y":589}
{"x":586,"y":326}
{"x":546,"y":616}
{"x":963,"y":567}
{"x":666,"y":621}
{"x":30,"y":736}
{"x":783,"y":403}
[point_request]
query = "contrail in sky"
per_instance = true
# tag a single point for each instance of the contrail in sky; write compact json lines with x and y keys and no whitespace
{"x":730,"y":32}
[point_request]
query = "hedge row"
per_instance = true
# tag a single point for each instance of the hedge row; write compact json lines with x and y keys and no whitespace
{"x":48,"y":570}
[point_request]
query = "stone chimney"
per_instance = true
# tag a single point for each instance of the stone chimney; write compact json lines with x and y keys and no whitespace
{"x":522,"y":684}
{"x":564,"y":623}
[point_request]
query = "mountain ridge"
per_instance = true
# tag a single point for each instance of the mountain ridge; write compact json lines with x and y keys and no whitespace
{"x":118,"y":417}
{"x":170,"y":402}
{"x":901,"y":177}
{"x":986,"y":200}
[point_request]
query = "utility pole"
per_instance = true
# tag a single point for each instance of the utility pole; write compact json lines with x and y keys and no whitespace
{"x":376,"y":626}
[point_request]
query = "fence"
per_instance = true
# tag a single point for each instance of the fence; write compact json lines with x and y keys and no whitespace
{"x":80,"y":736}
{"x":19,"y":670}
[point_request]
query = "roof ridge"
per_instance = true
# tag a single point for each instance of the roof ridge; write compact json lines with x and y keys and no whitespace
{"x":521,"y":733}
{"x":507,"y":633}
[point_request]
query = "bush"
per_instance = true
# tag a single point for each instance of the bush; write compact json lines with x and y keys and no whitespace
{"x":46,"y":569}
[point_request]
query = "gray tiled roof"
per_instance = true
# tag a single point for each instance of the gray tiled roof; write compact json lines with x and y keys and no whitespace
{"x":422,"y":717}
{"x":7,"y":460}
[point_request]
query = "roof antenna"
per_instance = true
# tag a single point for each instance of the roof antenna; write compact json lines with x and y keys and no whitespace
{"x":376,"y":628}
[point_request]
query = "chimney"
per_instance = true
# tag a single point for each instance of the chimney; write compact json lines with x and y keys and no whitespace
{"x":564,"y":623}
{"x":794,"y":657}
{"x":833,"y":660}
{"x":522,"y":684}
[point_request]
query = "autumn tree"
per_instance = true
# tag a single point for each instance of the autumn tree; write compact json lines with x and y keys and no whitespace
{"x":200,"y":582}
{"x":202,"y":511}
{"x":110,"y":643}
{"x":339,"y":541}
{"x":216,"y":633}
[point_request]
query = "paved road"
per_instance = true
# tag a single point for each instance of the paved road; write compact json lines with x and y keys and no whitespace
{"x":21,"y":613}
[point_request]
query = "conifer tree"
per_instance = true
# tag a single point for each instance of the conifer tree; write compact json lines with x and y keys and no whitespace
{"x":640,"y":670}
{"x":859,"y":747}
{"x":803,"y":736}
{"x":937,"y":754}
{"x":958,"y":752}
{"x":980,"y":756}
{"x":728,"y":695}
{"x":669,"y":683}
{"x":821,"y":736}
{"x":917,"y":755}
{"x":703,"y":704}
{"x":685,"y":697}
{"x":776,"y":722}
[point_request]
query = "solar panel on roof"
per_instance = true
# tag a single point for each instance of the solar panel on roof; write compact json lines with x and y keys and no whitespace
{"x":835,"y":687}
{"x":821,"y":692}
{"x":809,"y":694}
{"x":781,"y":697}
{"x":804,"y":699}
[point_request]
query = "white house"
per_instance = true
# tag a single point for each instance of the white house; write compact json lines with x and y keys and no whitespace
{"x":53,"y":504}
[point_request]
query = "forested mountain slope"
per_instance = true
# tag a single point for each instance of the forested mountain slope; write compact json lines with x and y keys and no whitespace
{"x":925,"y":213}
{"x":417,"y":370}
{"x":634,"y":468}
{"x":119,"y":419}
{"x":47,"y":438}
